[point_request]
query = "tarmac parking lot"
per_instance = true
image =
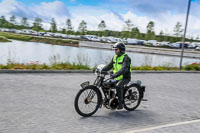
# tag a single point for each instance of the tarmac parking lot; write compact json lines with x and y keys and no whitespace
{"x":44,"y":103}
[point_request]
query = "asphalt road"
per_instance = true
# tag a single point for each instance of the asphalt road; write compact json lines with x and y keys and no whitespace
{"x":43,"y":103}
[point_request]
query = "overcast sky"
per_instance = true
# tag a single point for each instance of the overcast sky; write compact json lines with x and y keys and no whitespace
{"x":165,"y":13}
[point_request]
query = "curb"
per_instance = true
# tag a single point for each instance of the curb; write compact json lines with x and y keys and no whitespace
{"x":84,"y":71}
{"x":45,"y":71}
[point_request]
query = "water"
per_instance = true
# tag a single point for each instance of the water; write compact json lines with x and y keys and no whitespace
{"x":27,"y":52}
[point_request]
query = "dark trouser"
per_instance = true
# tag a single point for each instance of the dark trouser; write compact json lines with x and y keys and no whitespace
{"x":120,"y":88}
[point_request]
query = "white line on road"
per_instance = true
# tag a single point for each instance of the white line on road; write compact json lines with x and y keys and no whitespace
{"x":163,"y":126}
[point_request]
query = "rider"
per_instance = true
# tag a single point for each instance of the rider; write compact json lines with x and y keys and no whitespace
{"x":121,"y":65}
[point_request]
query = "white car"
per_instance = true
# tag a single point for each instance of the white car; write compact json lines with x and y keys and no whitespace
{"x":175,"y":45}
{"x":49,"y":34}
{"x":197,"y":48}
{"x":132,"y":41}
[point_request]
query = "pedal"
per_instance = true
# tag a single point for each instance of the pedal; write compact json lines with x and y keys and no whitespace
{"x":144,"y":100}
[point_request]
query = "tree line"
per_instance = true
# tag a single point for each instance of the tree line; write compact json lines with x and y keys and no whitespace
{"x":129,"y":29}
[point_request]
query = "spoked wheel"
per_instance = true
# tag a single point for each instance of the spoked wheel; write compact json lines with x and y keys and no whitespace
{"x":87,"y":101}
{"x":132,"y":98}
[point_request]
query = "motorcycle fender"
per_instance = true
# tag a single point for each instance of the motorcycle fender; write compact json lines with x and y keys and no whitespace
{"x":133,"y":84}
{"x":85,"y":84}
{"x":138,"y":83}
{"x":142,"y":88}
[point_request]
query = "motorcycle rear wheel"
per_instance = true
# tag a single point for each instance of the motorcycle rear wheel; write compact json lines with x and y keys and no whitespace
{"x":132,"y":97}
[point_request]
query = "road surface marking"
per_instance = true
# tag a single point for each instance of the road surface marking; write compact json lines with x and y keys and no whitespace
{"x":163,"y":126}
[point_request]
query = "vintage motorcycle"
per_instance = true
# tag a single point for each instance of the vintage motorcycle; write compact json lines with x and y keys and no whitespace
{"x":103,"y":93}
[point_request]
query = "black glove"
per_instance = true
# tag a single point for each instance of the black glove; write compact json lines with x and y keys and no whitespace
{"x":112,"y":76}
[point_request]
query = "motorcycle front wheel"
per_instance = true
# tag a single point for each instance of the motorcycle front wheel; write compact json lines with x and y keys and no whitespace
{"x":87,"y":101}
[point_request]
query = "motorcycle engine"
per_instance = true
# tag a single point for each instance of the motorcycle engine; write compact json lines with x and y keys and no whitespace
{"x":113,"y":103}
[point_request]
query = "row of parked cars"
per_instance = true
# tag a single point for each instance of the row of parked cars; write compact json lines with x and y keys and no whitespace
{"x":128,"y":41}
{"x":44,"y":34}
{"x":155,"y":43}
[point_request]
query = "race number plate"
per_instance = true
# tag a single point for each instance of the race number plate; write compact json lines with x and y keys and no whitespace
{"x":83,"y":85}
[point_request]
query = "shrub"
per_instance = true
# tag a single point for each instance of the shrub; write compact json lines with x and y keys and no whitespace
{"x":193,"y":67}
{"x":4,"y":39}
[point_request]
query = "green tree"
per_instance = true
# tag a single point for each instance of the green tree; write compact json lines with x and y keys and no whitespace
{"x":178,"y":29}
{"x":150,"y":35}
{"x":82,"y":27}
{"x":150,"y":26}
{"x":161,"y":33}
{"x":37,"y":24}
{"x":102,"y":25}
{"x":135,"y":33}
{"x":69,"y":25}
{"x":197,"y":38}
{"x":63,"y":31}
{"x":4,"y":23}
{"x":106,"y":33}
{"x":24,"y":22}
{"x":13,"y":19}
{"x":2,"y":20}
{"x":128,"y":25}
{"x":124,"y":34}
{"x":161,"y":36}
{"x":53,"y":25}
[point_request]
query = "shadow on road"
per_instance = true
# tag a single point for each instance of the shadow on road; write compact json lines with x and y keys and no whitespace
{"x":120,"y":116}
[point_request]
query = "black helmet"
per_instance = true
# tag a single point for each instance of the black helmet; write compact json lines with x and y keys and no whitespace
{"x":120,"y":46}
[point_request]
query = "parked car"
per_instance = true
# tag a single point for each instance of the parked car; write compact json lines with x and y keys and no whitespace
{"x":28,"y":31}
{"x":164,"y":43}
{"x":91,"y":37}
{"x":105,"y":39}
{"x":192,"y":46}
{"x":197,"y":48}
{"x":175,"y":45}
{"x":40,"y":33}
{"x":152,"y":42}
{"x":185,"y":44}
{"x":131,"y":41}
{"x":4,"y":29}
{"x":49,"y":34}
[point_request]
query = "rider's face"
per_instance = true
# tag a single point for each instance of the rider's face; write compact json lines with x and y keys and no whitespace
{"x":117,"y":51}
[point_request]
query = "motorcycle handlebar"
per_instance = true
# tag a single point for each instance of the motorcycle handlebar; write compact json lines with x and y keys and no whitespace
{"x":102,"y":72}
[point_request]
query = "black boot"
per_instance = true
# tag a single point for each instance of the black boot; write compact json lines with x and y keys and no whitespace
{"x":120,"y":97}
{"x":120,"y":106}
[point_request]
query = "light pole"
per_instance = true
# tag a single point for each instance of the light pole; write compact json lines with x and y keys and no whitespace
{"x":183,"y":40}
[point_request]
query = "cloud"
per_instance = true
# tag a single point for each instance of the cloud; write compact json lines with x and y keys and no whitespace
{"x":138,"y":21}
{"x":151,"y":7}
{"x":48,"y":10}
{"x":92,"y":16}
{"x":164,"y":20}
{"x":117,"y":14}
{"x":12,"y":7}
{"x":159,"y":6}
{"x":163,"y":15}
{"x":45,"y":10}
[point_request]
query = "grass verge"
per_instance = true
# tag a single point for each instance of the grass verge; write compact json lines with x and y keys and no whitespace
{"x":4,"y":39}
{"x":73,"y":66}
{"x":30,"y":38}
